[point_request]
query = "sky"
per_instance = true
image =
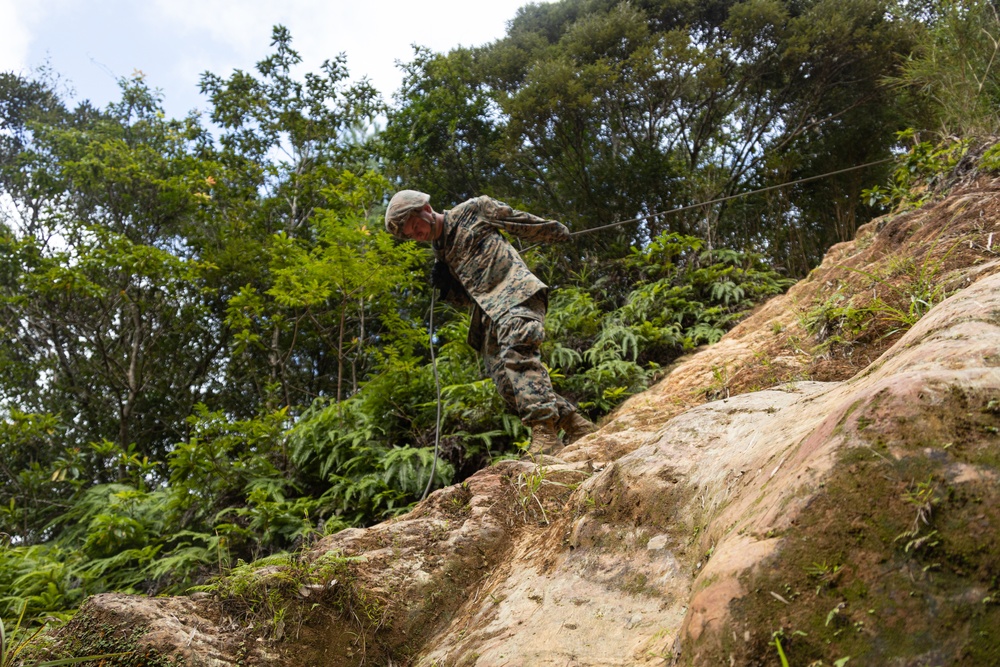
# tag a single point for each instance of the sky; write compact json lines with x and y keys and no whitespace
{"x":90,"y":44}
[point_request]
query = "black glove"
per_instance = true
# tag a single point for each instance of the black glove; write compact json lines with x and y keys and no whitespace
{"x":443,"y":280}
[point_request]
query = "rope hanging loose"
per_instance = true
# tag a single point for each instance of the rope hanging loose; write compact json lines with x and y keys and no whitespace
{"x":437,"y":385}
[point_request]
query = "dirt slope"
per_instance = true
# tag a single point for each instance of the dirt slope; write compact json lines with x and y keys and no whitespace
{"x":820,"y":482}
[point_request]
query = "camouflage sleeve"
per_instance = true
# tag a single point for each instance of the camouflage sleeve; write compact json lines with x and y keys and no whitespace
{"x":523,"y":225}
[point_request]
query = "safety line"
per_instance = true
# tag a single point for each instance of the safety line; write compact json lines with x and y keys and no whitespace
{"x":722,"y":199}
{"x":437,"y":384}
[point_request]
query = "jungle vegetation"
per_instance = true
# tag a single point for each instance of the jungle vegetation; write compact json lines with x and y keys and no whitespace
{"x":212,"y":352}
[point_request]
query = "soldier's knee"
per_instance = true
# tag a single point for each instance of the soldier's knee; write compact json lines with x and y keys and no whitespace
{"x":525,"y":334}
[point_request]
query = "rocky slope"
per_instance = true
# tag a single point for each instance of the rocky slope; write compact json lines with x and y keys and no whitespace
{"x":822,"y":485}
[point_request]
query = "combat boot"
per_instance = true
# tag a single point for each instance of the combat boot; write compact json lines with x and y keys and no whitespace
{"x":575,"y":426}
{"x":544,"y":439}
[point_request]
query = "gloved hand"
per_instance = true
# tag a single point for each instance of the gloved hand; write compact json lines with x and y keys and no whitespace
{"x":442,"y":279}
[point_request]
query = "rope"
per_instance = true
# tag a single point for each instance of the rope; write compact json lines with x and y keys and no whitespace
{"x":437,"y":384}
{"x":736,"y":196}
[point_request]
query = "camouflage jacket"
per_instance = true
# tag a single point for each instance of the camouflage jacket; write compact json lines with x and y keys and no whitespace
{"x":485,"y":263}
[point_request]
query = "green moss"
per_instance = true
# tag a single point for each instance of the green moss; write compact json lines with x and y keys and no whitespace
{"x":893,"y":561}
{"x":990,"y":161}
{"x":637,"y":583}
{"x":847,"y":413}
{"x":983,"y":647}
{"x":615,"y":502}
{"x":268,"y":593}
{"x":86,"y":636}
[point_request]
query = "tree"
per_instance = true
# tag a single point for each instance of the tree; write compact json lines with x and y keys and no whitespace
{"x":954,"y":74}
{"x":610,"y":111}
{"x":103,"y":291}
{"x":441,"y":137}
{"x":347,"y":281}
{"x":289,"y":147}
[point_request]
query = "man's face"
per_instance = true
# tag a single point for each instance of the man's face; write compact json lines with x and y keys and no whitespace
{"x":417,"y":227}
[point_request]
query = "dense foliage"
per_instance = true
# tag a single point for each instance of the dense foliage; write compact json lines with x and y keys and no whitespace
{"x":212,"y":351}
{"x":600,"y":111}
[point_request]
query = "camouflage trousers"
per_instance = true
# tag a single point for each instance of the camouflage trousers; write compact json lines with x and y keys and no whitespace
{"x":513,"y":360}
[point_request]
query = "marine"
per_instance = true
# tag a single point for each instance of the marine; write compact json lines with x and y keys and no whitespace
{"x":476,"y":266}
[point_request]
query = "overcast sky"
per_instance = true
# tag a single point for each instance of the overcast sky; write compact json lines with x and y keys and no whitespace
{"x":92,"y":43}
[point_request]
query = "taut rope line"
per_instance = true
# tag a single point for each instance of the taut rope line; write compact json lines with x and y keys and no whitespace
{"x":727,"y":198}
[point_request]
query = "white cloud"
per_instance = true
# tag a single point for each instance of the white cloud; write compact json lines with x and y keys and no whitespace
{"x":93,"y":42}
{"x":14,"y":44}
{"x":373,"y":34}
{"x":22,"y":22}
{"x":230,"y":23}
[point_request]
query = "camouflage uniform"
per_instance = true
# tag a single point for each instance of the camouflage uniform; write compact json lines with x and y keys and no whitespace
{"x":508,"y":301}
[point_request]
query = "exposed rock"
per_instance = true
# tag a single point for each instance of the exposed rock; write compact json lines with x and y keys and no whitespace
{"x":160,"y":631}
{"x":857,"y":516}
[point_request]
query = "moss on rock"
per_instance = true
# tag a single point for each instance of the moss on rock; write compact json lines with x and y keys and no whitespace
{"x":895,"y":561}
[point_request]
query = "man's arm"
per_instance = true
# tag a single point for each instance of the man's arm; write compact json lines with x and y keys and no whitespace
{"x":523,"y":225}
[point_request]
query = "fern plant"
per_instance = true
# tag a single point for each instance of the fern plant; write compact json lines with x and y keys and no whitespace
{"x":681,"y":296}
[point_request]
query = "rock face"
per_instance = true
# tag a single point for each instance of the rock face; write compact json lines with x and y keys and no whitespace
{"x":855,"y":517}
